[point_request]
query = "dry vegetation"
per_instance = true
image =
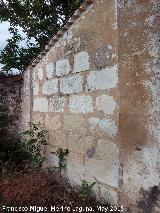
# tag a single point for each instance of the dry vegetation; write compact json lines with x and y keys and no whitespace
{"x":30,"y":187}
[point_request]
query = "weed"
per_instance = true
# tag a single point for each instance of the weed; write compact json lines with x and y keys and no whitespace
{"x":34,"y":143}
{"x":61,"y":154}
{"x":86,"y":188}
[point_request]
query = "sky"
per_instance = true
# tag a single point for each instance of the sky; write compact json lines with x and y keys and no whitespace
{"x":4,"y":35}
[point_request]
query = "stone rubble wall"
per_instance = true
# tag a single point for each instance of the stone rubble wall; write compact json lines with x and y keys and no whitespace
{"x":10,"y":107}
{"x":96,"y":92}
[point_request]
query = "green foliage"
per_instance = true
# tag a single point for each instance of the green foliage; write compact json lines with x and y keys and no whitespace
{"x":61,"y":154}
{"x":34,"y":142}
{"x":39,"y":20}
{"x":86,"y":188}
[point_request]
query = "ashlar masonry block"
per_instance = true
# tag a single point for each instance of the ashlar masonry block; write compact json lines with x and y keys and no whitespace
{"x":35,"y":88}
{"x":81,"y":62}
{"x":104,"y":171}
{"x":102,"y":79}
{"x":40,"y":105}
{"x":38,"y":73}
{"x":70,"y":85}
{"x":81,"y":104}
{"x":57,"y":104}
{"x":49,"y":70}
{"x":62,"y":67}
{"x":106,"y":104}
{"x":75,"y":167}
{"x":107,"y":125}
{"x":50,"y":87}
{"x":53,"y":123}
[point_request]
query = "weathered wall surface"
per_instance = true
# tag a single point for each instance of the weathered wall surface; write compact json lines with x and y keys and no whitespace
{"x":75,"y":97}
{"x":97,"y":93}
{"x":26,"y":95}
{"x":10,"y":107}
{"x":139,"y":86}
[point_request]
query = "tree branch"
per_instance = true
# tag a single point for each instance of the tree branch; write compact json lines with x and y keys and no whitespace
{"x":17,"y":20}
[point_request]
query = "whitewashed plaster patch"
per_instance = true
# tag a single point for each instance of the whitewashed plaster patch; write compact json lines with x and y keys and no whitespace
{"x":50,"y":87}
{"x":153,"y":48}
{"x":81,"y":62}
{"x":102,"y":79}
{"x":81,"y":104}
{"x":150,"y":20}
{"x":73,"y":84}
{"x":108,"y":125}
{"x":141,"y":171}
{"x":115,"y":25}
{"x":62,"y":67}
{"x":93,"y":121}
{"x":106,"y":104}
{"x":40,"y":105}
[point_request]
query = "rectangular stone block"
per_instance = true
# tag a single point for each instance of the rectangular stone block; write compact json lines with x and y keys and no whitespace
{"x":75,"y":167}
{"x":57,"y":104}
{"x":50,"y":87}
{"x":106,"y":104}
{"x":81,"y":104}
{"x":53,"y":123}
{"x":38,"y":73}
{"x":81,"y":62}
{"x":35,"y":88}
{"x":109,"y":126}
{"x":62,"y":67}
{"x":49,"y":70}
{"x":105,"y":149}
{"x":80,"y":144}
{"x":109,"y":194}
{"x":102,"y":79}
{"x":70,"y":85}
{"x":72,"y":127}
{"x":40,"y":105}
{"x":104,"y":171}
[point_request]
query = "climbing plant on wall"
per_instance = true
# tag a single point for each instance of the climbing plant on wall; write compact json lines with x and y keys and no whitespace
{"x":39,"y":20}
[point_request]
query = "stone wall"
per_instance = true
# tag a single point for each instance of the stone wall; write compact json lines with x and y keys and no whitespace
{"x":96,"y":92}
{"x":10,"y":107}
